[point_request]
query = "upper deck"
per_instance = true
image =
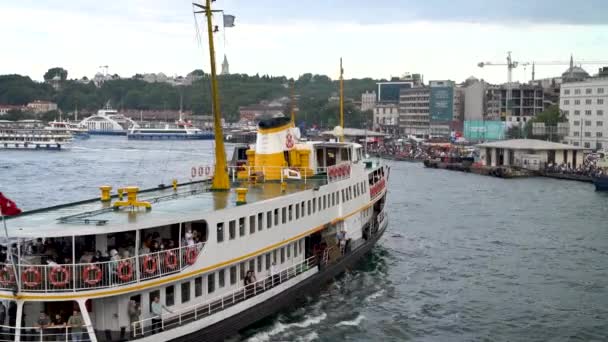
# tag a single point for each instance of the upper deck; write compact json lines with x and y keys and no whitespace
{"x":188,"y":202}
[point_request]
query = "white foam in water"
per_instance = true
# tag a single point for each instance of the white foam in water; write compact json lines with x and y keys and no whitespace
{"x":308,"y":337}
{"x":374,"y":295}
{"x":279,"y":327}
{"x":355,"y":322}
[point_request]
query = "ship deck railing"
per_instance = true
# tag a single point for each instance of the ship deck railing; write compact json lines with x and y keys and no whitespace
{"x":89,"y":276}
{"x":48,"y":333}
{"x":146,"y":327}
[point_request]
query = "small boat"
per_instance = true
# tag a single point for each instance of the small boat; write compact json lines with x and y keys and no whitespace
{"x":77,"y":130}
{"x":601,"y":183}
{"x":600,"y":180}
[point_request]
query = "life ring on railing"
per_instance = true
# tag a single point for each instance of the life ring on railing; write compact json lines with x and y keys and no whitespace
{"x":149,"y":264}
{"x":65,"y":275}
{"x":171,"y":260}
{"x":191,"y":255}
{"x":31,"y":282}
{"x":7,"y":276}
{"x":87,"y":272}
{"x":124,"y":274}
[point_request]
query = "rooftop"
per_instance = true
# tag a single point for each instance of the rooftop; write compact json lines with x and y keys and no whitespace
{"x":357,"y":132}
{"x":529,"y":144}
{"x":94,"y":217}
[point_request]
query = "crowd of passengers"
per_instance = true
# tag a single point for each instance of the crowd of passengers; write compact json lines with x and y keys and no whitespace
{"x":54,"y":251}
{"x":588,"y":168}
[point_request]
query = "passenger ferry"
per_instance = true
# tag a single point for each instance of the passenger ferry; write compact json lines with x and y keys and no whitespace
{"x":76,"y":130}
{"x":108,"y":122}
{"x":201,"y":260}
{"x":30,"y":135}
{"x":182,"y":130}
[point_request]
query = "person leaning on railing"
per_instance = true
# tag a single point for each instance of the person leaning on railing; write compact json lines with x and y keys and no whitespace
{"x":76,"y":323}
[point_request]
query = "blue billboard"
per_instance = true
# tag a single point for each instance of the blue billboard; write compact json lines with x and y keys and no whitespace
{"x":475,"y":130}
{"x":441,"y":104}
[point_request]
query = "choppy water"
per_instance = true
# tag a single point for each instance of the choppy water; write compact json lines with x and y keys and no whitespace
{"x":466,"y":257}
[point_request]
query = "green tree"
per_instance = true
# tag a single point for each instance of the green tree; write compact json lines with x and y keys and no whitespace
{"x":61,"y":72}
{"x":550,"y":117}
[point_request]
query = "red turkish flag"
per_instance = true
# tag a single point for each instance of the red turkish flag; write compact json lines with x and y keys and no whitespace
{"x":8,"y":207}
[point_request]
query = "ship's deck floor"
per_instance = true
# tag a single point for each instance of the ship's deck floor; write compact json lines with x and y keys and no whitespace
{"x":168,"y":207}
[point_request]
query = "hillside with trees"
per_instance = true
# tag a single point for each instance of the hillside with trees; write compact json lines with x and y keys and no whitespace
{"x":313,"y":93}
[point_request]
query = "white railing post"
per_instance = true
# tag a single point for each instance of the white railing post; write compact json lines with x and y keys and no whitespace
{"x":66,"y":333}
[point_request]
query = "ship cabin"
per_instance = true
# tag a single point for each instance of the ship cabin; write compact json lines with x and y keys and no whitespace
{"x":108,"y":259}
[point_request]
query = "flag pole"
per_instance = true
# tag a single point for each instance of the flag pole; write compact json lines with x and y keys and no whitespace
{"x":10,"y":253}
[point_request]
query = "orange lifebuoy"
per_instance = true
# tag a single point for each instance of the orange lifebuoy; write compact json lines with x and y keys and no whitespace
{"x":7,"y":276}
{"x":31,"y":282}
{"x":191,"y":255}
{"x":87,"y":272}
{"x":170,"y":260}
{"x":65,"y":275}
{"x":124,"y":274}
{"x":149,"y":264}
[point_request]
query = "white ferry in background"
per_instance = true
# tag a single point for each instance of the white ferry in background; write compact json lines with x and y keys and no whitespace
{"x":31,"y":135}
{"x":108,"y":122}
{"x":181,"y":130}
{"x":76,"y":129}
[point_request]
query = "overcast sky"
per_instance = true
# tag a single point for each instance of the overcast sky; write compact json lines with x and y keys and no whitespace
{"x":442,"y":39}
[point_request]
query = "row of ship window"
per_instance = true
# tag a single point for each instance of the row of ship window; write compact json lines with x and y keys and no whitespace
{"x":289,"y":213}
{"x":587,"y":101}
{"x":587,"y":91}
{"x":233,"y":274}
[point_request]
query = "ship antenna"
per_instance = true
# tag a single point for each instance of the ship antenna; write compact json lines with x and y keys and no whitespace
{"x":220,"y":178}
{"x":341,"y":100}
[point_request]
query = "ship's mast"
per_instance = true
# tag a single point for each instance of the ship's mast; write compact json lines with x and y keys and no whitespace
{"x":293,"y":103}
{"x":341,"y":100}
{"x":220,"y":178}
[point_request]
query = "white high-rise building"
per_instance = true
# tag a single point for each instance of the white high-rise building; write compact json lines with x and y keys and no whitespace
{"x":368,"y":100}
{"x":585,"y":104}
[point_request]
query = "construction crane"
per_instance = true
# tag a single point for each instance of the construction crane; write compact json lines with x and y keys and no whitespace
{"x":510,"y":66}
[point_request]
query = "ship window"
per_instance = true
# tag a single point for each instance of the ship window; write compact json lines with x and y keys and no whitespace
{"x":330,"y":157}
{"x":314,"y":205}
{"x":211,"y":283}
{"x":300,"y":246}
{"x":295,"y":249}
{"x":169,"y":295}
{"x":282,"y":255}
{"x":252,"y":224}
{"x":243,"y":270}
{"x":308,"y":207}
{"x":297,"y":211}
{"x":269,"y":219}
{"x":259,"y":263}
{"x":302,"y":205}
{"x":232,"y":229}
{"x":198,"y":286}
{"x":284,"y":215}
{"x":252,"y":265}
{"x":260,"y":221}
{"x":343,"y":198}
{"x":274,"y":256}
{"x":290,"y":212}
{"x":318,"y":203}
{"x":267,"y":261}
{"x":232,"y":275}
{"x":241,"y":226}
{"x":288,"y":248}
{"x":221,"y":278}
{"x":337,"y":197}
{"x":185,"y":292}
{"x":220,"y":232}
{"x":276,"y":217}
{"x":324,"y":202}
{"x":333,"y":199}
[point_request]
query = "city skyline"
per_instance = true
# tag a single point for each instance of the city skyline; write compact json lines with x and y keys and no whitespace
{"x":437,"y":39}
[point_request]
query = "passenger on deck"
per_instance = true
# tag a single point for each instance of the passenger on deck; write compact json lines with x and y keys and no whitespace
{"x":157,"y":311}
{"x":76,"y":323}
{"x":43,"y":322}
{"x":134,"y":312}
